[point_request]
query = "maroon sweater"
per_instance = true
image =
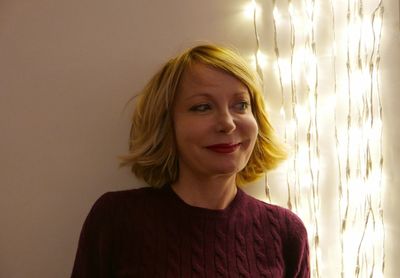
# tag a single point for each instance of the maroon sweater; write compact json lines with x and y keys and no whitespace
{"x":152,"y":233}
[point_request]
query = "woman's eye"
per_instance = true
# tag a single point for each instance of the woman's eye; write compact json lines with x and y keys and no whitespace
{"x":200,"y":108}
{"x":243,"y":105}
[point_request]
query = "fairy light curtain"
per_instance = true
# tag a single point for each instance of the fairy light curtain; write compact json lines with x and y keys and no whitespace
{"x":324,"y":58}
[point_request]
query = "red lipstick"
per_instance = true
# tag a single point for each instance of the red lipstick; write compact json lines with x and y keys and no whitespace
{"x":224,"y":148}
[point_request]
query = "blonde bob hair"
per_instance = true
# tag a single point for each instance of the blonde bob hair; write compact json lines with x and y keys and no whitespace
{"x":153,"y":155}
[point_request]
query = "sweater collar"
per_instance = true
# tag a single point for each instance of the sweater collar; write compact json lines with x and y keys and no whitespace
{"x":175,"y":200}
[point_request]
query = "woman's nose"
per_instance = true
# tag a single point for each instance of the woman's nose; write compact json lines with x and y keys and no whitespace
{"x":225,"y":122}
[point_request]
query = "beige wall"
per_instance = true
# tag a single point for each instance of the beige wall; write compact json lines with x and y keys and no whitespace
{"x":67,"y":69}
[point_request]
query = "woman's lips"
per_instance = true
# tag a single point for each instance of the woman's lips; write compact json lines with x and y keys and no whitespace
{"x":224,"y":148}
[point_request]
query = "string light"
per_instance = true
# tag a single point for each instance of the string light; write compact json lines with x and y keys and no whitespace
{"x":355,"y":102}
{"x":260,"y":60}
{"x":250,"y":8}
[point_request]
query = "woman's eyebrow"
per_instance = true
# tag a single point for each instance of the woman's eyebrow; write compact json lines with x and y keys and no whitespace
{"x":211,"y":96}
{"x":198,"y":95}
{"x":241,"y":93}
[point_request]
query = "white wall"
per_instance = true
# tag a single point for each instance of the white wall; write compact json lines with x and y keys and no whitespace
{"x":67,"y":69}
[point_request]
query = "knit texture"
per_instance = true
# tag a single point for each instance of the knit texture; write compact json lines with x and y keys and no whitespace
{"x":151,"y":232}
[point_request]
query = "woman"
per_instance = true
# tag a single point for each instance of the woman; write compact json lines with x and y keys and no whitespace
{"x":199,"y":131}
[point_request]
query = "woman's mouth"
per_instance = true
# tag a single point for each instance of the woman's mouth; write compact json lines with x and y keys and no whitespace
{"x":223,"y":148}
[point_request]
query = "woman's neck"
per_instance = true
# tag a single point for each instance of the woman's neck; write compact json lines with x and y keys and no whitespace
{"x":215,"y":193}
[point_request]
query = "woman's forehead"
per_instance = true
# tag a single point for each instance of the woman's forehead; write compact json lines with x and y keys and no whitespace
{"x":203,"y":75}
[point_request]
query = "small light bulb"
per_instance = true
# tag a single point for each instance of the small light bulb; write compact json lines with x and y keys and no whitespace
{"x":276,"y":14}
{"x":251,"y":8}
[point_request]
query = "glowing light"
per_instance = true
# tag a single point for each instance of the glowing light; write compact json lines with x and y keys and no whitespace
{"x":367,"y":35}
{"x":250,"y":8}
{"x":356,"y":110}
{"x":302,"y":114}
{"x":277,"y":15}
{"x":309,"y":8}
{"x":282,"y":112}
{"x":377,"y":24}
{"x":334,"y":48}
{"x":285,"y":68}
{"x":292,"y":125}
{"x":291,"y":10}
{"x":262,"y":60}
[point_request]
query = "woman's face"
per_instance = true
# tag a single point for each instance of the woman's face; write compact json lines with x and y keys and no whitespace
{"x":215,"y":129}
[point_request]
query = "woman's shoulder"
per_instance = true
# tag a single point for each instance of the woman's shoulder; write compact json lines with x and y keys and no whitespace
{"x":122,"y":198}
{"x":113,"y":202}
{"x":283,"y":218}
{"x":288,"y":227}
{"x":128,"y":193}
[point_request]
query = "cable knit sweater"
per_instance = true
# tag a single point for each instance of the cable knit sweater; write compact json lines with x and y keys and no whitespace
{"x":153,"y":233}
